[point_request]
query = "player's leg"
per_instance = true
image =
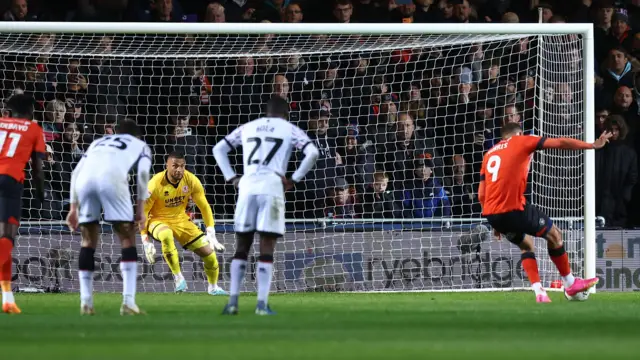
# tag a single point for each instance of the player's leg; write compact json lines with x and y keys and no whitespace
{"x":126,"y":231}
{"x":558,"y":255}
{"x":201,"y":247}
{"x":163,"y":233}
{"x":90,"y":231}
{"x":270,"y":227}
{"x":8,"y":232}
{"x":244,"y":226}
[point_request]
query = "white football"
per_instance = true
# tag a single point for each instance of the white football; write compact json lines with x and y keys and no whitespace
{"x":581,"y":296}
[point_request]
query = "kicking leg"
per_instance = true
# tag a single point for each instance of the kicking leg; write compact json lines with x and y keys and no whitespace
{"x":170,"y":253}
{"x":128,"y":267}
{"x":530,"y":266}
{"x":560,"y":259}
{"x":211,"y":269}
{"x":8,"y":232}
{"x":86,"y":265}
{"x":238,"y":270}
{"x":265,"y":271}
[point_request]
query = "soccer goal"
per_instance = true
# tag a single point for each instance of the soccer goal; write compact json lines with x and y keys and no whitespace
{"x":413,"y":104}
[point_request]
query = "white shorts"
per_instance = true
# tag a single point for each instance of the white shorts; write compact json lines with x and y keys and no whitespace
{"x":95,"y":195}
{"x":261,"y":213}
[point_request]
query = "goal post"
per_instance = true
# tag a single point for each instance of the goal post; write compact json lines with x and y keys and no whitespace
{"x":407,"y":252}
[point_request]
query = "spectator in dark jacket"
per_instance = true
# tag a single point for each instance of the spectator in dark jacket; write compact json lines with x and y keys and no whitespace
{"x":377,"y":201}
{"x":616,"y":174}
{"x":424,"y":196}
{"x":464,"y":201}
{"x":618,"y":71}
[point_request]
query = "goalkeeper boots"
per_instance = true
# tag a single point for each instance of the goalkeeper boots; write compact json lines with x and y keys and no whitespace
{"x":216,"y":290}
{"x":11,"y":308}
{"x":264,"y":309}
{"x":579,"y":285}
{"x":230,"y":309}
{"x":181,"y":284}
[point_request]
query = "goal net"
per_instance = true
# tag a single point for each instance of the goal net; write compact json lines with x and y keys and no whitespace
{"x":402,"y":121}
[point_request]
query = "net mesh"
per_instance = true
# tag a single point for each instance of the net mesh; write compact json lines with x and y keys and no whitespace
{"x":386,"y":112}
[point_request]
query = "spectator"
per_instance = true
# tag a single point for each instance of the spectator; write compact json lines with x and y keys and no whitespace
{"x":425,"y":12}
{"x":19,"y":11}
{"x":215,"y":13}
{"x":53,"y":120}
{"x":185,"y":140}
{"x":616,"y":175}
{"x":280,"y":87}
{"x":547,"y":12}
{"x":510,"y":18}
{"x":56,"y":193}
{"x":241,"y":93}
{"x":402,"y":11}
{"x":601,"y":116}
{"x":293,"y":13}
{"x":620,"y":31}
{"x":377,"y":201}
{"x":342,"y":11}
{"x":159,"y":11}
{"x":624,"y":105}
{"x":464,"y":202}
{"x":618,"y":71}
{"x":272,"y":10}
{"x":340,"y":202}
{"x":358,"y":162}
{"x":371,"y":11}
{"x":446,"y":9}
{"x":424,"y":196}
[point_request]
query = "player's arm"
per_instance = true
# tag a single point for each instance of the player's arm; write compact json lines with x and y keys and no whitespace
{"x":143,"y":173}
{"x":148,"y":205}
{"x":37,"y":155}
{"x":221,"y":153}
{"x":573,"y":144}
{"x":200,"y":199}
{"x":481,"y":188}
{"x":302,"y":142}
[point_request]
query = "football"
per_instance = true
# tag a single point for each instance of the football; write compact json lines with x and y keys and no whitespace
{"x":581,"y":296}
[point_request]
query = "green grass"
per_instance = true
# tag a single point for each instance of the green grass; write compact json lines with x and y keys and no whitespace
{"x":329,"y":327}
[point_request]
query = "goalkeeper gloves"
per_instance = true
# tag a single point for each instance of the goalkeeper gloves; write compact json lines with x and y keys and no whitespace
{"x":149,"y":249}
{"x":211,"y":236}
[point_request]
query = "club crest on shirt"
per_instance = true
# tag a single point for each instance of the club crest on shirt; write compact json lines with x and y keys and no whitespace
{"x":542,"y":221}
{"x":166,"y":193}
{"x":185,"y":189}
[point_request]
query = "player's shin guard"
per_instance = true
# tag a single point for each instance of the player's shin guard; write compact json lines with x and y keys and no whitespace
{"x":129,"y":269}
{"x":238,"y":270}
{"x":265,"y":269}
{"x":530,"y":266}
{"x":561,"y":261}
{"x":6,"y":248}
{"x":86,"y":267}
{"x":169,"y":251}
{"x":211,"y":268}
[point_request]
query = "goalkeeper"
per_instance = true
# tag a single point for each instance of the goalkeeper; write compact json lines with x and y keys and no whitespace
{"x":169,"y":194}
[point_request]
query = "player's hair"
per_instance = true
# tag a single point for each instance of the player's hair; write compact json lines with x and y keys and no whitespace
{"x":278,"y":107}
{"x":127,"y":126}
{"x":510,"y":129}
{"x":21,"y":106}
{"x":176,"y":155}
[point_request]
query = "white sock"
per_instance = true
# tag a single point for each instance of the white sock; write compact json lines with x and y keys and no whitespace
{"x":86,"y":287}
{"x":7,"y":297}
{"x":263,"y":277}
{"x":129,"y":271}
{"x":238,"y":270}
{"x":568,"y":280}
{"x":537,"y":288}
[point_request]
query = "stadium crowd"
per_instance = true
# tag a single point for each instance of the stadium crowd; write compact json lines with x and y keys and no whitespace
{"x":401,"y":132}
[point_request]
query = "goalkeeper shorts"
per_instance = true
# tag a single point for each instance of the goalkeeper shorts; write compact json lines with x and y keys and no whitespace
{"x":188,"y":234}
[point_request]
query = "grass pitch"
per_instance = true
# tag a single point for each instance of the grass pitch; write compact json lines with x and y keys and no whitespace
{"x":328,"y":327}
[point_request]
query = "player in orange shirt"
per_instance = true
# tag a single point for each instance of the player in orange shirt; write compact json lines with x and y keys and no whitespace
{"x":503,"y":178}
{"x":21,"y":139}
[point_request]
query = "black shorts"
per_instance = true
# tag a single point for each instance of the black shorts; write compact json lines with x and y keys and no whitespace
{"x":10,"y":199}
{"x":516,"y":224}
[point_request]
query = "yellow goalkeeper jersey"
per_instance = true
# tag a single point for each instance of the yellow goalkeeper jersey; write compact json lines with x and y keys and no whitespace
{"x":168,"y":202}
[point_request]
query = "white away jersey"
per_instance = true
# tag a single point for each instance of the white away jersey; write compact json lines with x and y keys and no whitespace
{"x":114,"y":156}
{"x":267,"y":144}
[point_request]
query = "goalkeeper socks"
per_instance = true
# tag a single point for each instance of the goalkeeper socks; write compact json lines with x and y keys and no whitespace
{"x":86,"y":266}
{"x":238,"y":270}
{"x":169,"y":251}
{"x":129,"y":269}
{"x":211,"y":268}
{"x":530,"y":266}
{"x":561,"y":261}
{"x":265,"y":269}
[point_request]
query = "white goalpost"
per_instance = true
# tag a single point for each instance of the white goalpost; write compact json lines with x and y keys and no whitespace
{"x":419,"y":103}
